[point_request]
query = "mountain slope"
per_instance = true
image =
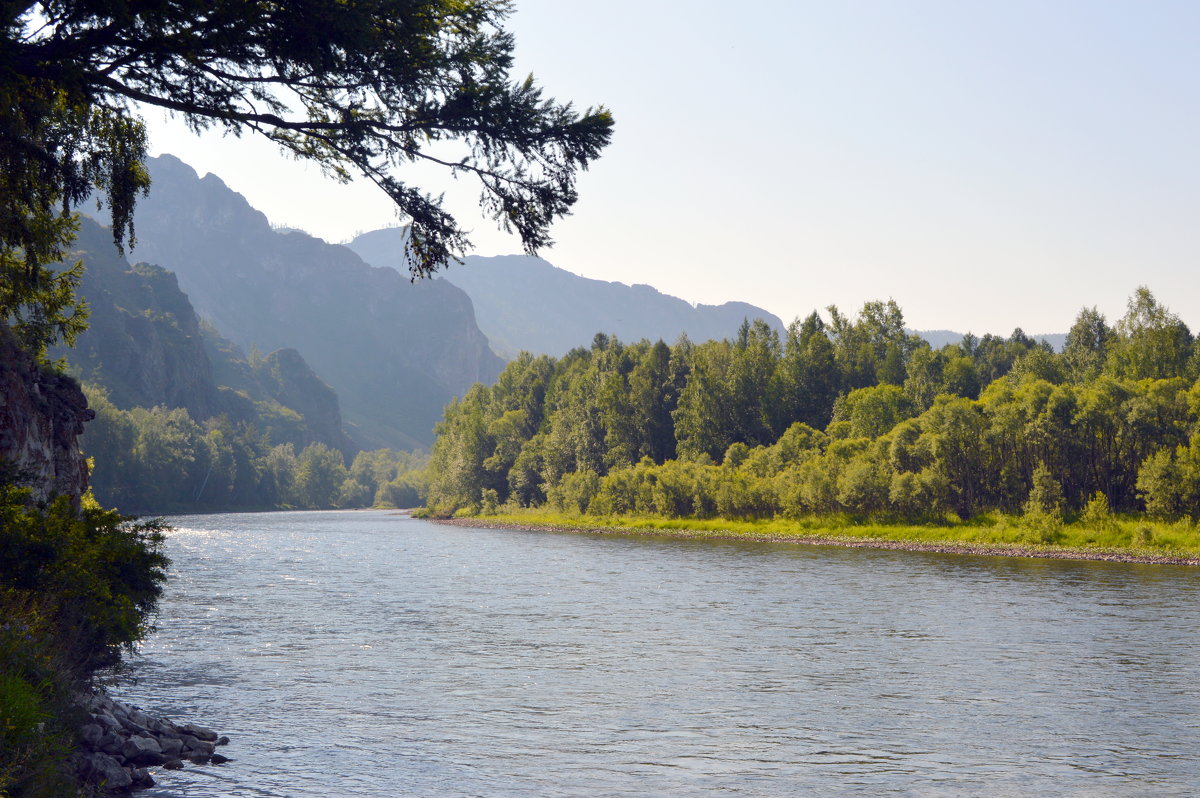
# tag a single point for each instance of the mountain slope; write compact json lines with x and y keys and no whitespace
{"x":395,"y":352}
{"x":525,"y":303}
{"x":146,"y":347}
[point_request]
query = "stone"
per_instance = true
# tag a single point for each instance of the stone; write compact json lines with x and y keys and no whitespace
{"x":222,"y":741}
{"x":218,"y":759}
{"x":111,"y":743}
{"x":173,"y":764}
{"x":91,"y":734}
{"x":142,"y":778}
{"x":199,"y":759}
{"x":107,"y":720}
{"x":192,"y":745}
{"x":142,"y":719}
{"x":138,"y":745}
{"x":171,"y":745}
{"x":106,"y":771}
{"x":199,"y":732}
{"x":149,"y":758}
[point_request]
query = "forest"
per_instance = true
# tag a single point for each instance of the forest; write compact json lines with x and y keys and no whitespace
{"x":850,"y":416}
{"x":160,"y":460}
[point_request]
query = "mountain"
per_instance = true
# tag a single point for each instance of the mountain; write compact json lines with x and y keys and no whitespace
{"x":525,"y":303}
{"x":395,"y":352}
{"x":146,"y":347}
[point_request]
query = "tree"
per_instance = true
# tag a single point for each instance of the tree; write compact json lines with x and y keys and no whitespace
{"x":1087,"y":345}
{"x":364,"y":86}
{"x":1153,"y":343}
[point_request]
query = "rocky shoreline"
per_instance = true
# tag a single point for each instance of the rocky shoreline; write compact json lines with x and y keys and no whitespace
{"x":992,"y":550}
{"x":120,"y":744}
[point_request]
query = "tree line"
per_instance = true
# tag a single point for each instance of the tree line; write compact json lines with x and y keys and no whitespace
{"x":160,"y":460}
{"x":849,"y":415}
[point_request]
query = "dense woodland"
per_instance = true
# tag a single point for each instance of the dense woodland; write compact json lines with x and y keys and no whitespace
{"x":160,"y":460}
{"x":850,"y":416}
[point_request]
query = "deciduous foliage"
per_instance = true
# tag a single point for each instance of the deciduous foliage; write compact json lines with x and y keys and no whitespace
{"x":762,"y":429}
{"x":159,"y":460}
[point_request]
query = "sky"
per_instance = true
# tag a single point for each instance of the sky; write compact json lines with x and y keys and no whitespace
{"x":987,"y":165}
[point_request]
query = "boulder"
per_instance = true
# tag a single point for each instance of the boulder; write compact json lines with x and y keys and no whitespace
{"x":199,"y":732}
{"x":194,"y":746}
{"x":111,"y":743}
{"x":142,"y":778}
{"x":106,"y":771}
{"x":91,"y":734}
{"x":138,"y":745}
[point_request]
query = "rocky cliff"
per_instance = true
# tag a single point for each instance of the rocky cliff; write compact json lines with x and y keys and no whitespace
{"x":146,"y":347}
{"x":42,"y":414}
{"x":143,"y":341}
{"x":394,"y":351}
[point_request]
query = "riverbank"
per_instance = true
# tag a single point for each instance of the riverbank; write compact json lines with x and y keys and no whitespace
{"x":119,"y":744}
{"x":964,"y":539}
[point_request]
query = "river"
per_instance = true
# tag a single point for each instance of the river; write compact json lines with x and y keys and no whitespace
{"x":372,"y":654}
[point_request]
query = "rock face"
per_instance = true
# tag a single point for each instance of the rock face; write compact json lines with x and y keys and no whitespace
{"x":143,"y":341}
{"x":41,"y":418}
{"x":286,"y":377}
{"x":147,"y":347}
{"x":394,"y":351}
{"x":526,"y":303}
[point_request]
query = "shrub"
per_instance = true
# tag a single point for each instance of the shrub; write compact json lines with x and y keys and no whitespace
{"x":77,"y":587}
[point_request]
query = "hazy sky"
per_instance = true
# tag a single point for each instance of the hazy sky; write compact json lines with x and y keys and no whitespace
{"x":986,"y":165}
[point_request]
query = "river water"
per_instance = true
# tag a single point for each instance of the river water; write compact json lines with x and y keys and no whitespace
{"x":371,"y":654}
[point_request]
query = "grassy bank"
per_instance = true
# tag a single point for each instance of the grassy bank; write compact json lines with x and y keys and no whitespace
{"x":1132,"y":539}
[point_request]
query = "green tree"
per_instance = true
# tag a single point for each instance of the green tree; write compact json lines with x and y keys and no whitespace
{"x":809,"y":376}
{"x":1152,"y":342}
{"x":320,"y":472}
{"x":1087,"y":345}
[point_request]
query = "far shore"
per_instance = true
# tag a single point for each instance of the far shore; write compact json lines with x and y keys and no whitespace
{"x":948,"y":547}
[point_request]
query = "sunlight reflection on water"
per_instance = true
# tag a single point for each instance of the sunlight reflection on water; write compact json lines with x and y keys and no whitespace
{"x":370,"y":654}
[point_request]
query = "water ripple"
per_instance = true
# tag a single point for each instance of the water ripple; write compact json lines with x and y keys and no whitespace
{"x":369,"y":654}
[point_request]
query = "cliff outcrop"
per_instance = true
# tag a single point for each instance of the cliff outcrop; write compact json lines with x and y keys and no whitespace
{"x":143,"y":341}
{"x":145,"y":345}
{"x":42,"y":414}
{"x":394,"y":351}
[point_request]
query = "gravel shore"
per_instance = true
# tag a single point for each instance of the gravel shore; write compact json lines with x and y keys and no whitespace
{"x":994,"y":550}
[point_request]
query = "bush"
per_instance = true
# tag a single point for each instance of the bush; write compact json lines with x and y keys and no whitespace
{"x":77,"y":587}
{"x":1097,"y":515}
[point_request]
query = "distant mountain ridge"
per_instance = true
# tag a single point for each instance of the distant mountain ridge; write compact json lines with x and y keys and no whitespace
{"x":394,"y":351}
{"x":524,"y":303}
{"x":939,"y":338}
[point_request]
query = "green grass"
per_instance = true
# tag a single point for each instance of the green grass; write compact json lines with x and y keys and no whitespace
{"x":1133,"y":536}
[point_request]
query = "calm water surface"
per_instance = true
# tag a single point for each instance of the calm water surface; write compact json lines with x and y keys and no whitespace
{"x":370,"y":654}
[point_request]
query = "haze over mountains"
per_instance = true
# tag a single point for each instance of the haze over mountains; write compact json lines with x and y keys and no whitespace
{"x":146,"y":347}
{"x":346,"y":334}
{"x":395,"y":352}
{"x":524,"y":303}
{"x":391,"y":351}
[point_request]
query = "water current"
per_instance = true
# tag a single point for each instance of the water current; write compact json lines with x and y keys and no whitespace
{"x":371,"y":654}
